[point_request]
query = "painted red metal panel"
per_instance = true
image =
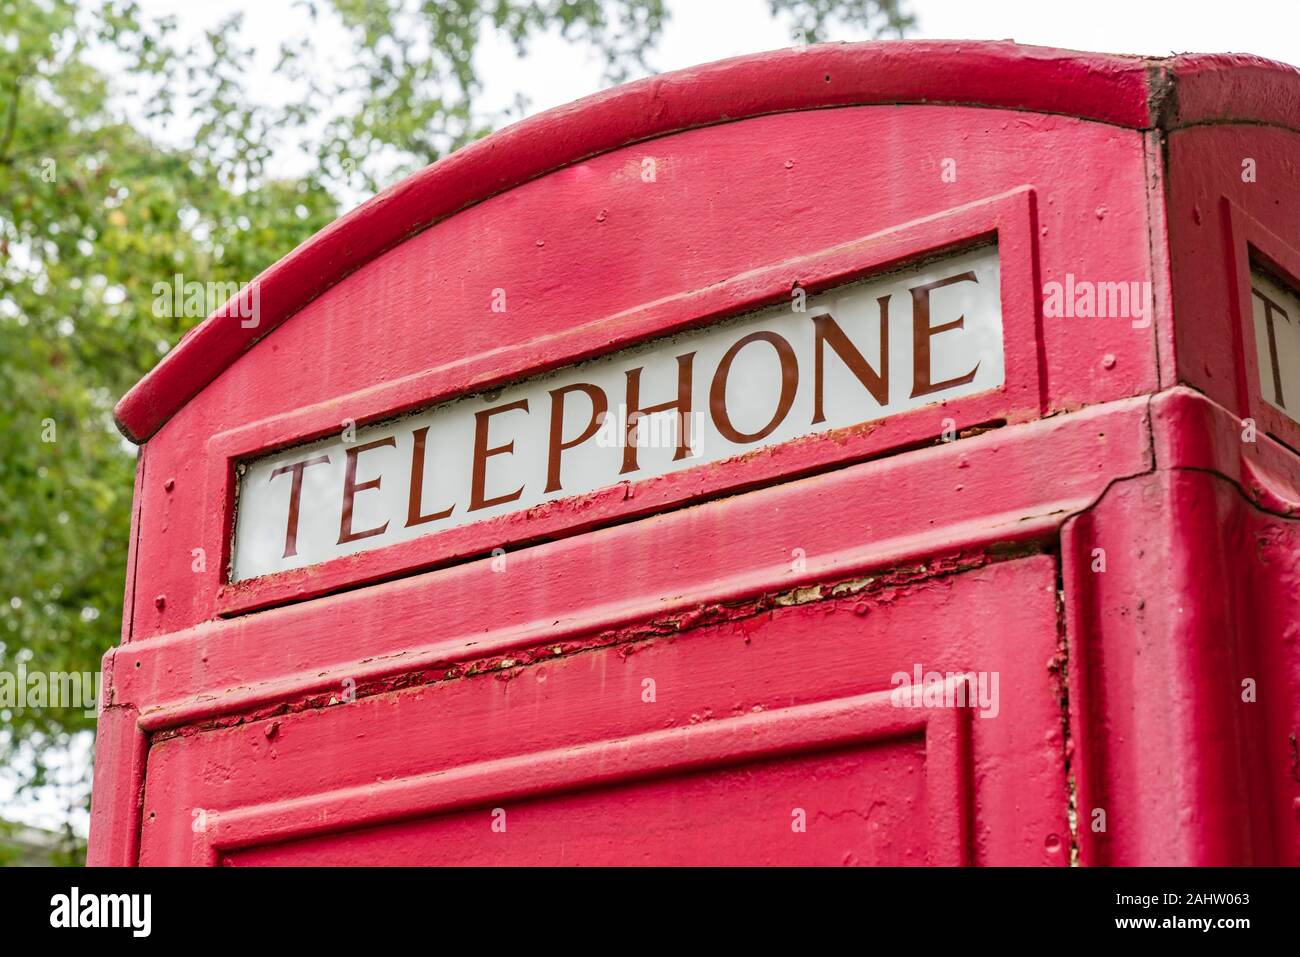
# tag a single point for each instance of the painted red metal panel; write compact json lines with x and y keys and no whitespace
{"x":1186,"y":747}
{"x":381,"y":707}
{"x":1232,"y":88}
{"x":762,"y":708}
{"x":434,"y":329}
{"x":121,"y":752}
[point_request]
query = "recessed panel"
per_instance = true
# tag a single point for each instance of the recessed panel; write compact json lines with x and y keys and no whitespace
{"x":847,"y":356}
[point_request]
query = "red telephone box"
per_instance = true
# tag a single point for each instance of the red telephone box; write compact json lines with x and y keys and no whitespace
{"x":864,"y":454}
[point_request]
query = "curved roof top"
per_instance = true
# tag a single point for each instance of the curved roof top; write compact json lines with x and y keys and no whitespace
{"x":1129,"y":91}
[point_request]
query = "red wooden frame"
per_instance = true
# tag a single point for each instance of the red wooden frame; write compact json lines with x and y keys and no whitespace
{"x":1007,"y":219}
{"x":1249,"y":241}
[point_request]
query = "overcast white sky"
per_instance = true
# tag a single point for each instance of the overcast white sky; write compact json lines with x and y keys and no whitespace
{"x":704,"y":30}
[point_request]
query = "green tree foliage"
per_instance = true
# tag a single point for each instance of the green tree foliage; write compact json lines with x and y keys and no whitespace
{"x":97,"y":205}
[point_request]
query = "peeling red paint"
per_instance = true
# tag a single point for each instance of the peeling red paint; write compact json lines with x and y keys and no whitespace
{"x":853,"y":594}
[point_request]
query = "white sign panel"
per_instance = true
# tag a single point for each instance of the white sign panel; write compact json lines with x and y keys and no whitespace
{"x":851,"y":355}
{"x":1277,"y":343}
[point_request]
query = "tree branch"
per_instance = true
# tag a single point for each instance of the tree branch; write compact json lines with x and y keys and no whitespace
{"x":11,"y":122}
